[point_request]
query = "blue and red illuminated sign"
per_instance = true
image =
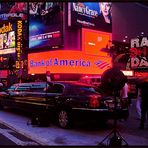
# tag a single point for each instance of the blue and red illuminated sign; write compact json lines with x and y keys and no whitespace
{"x":75,"y":62}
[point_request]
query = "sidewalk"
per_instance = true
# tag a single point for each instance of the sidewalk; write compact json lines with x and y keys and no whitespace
{"x":55,"y":136}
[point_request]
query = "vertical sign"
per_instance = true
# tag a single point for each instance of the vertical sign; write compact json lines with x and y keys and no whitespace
{"x":19,"y":44}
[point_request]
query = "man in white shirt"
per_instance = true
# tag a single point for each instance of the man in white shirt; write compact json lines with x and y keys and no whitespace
{"x":124,"y":92}
{"x":124,"y":95}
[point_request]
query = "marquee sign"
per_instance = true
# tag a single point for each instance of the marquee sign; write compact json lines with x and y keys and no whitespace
{"x":75,"y":62}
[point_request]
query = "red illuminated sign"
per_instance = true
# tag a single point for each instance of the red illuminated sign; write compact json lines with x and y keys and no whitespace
{"x":3,"y":73}
{"x":95,"y":42}
{"x":141,"y":74}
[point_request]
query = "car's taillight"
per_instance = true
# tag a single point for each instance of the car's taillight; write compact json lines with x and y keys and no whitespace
{"x":94,"y":101}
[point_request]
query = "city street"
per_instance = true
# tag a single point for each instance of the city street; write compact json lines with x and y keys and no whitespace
{"x":83,"y":135}
{"x":65,"y":63}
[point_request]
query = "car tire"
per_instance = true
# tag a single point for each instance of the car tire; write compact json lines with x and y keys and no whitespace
{"x":64,"y":119}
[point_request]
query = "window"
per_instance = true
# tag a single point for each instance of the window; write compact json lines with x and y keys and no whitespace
{"x":23,"y":88}
{"x":56,"y":88}
{"x":81,"y":90}
{"x":37,"y":89}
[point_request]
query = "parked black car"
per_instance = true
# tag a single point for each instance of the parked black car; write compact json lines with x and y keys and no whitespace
{"x":67,"y":101}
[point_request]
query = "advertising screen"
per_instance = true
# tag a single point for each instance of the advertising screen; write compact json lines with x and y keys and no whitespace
{"x":96,"y":42}
{"x":138,"y":58}
{"x":67,"y":61}
{"x":13,"y":9}
{"x":95,"y":15}
{"x":4,"y":58}
{"x":7,"y":40}
{"x":7,"y":37}
{"x":45,"y":24}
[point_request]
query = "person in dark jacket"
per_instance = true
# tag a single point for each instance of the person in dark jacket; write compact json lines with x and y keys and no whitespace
{"x":144,"y":102}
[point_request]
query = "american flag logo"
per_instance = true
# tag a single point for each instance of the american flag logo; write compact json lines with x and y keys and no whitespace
{"x":102,"y":64}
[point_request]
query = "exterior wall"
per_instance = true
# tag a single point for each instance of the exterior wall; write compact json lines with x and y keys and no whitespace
{"x":72,"y":38}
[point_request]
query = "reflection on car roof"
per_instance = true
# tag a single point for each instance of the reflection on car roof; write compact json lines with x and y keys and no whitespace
{"x":55,"y":82}
{"x":72,"y":83}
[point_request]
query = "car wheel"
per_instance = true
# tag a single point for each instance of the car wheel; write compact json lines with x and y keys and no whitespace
{"x":64,"y":119}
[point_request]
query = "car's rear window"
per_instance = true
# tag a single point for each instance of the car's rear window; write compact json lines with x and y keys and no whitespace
{"x":82,"y":90}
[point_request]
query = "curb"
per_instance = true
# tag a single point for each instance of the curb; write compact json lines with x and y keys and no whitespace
{"x":37,"y":140}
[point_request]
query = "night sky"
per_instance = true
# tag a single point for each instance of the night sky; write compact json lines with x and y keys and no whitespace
{"x":129,"y":19}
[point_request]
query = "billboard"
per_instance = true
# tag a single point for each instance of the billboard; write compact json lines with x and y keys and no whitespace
{"x":7,"y":37}
{"x":11,"y":42}
{"x":13,"y":9}
{"x":67,"y":61}
{"x":136,"y":62}
{"x":95,"y":15}
{"x":138,"y":53}
{"x":96,"y":42}
{"x":45,"y":24}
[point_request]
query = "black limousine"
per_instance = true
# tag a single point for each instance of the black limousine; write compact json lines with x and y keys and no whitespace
{"x":67,"y":101}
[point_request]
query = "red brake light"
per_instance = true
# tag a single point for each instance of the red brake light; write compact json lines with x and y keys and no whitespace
{"x":94,"y":102}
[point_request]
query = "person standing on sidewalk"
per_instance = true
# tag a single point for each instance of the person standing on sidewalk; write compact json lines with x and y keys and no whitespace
{"x":144,"y":102}
{"x":138,"y":102}
{"x":124,"y":94}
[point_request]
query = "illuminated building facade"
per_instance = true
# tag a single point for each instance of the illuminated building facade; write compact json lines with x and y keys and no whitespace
{"x":70,"y":41}
{"x":70,"y":38}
